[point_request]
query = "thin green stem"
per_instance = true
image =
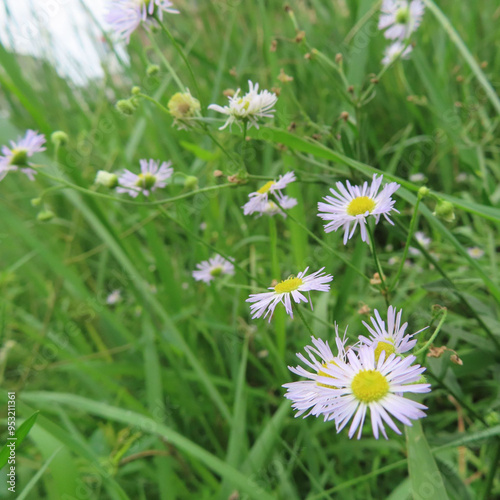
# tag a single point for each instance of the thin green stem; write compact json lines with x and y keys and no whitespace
{"x":493,"y":470}
{"x":219,"y":145}
{"x":301,"y":316}
{"x":154,"y":101}
{"x":434,"y":335}
{"x":413,"y":224}
{"x":384,"y":290}
{"x":183,"y":56}
{"x":167,"y":64}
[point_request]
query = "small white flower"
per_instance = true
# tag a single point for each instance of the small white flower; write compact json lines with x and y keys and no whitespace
{"x":362,"y":384}
{"x":249,"y":108}
{"x":308,"y":394}
{"x":285,"y":202}
{"x":114,"y":297}
{"x":125,"y":16}
{"x":212,"y":268}
{"x":400,"y":18}
{"x":292,"y":287}
{"x":152,"y":176}
{"x":418,"y":177}
{"x":395,"y":50}
{"x":475,"y":252}
{"x":424,"y":241}
{"x":391,"y":338}
{"x":16,"y":157}
{"x":259,"y":200}
{"x":355,"y":205}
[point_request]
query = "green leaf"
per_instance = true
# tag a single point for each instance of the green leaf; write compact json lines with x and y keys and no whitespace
{"x":199,"y":152}
{"x":425,"y":478}
{"x":21,"y":434}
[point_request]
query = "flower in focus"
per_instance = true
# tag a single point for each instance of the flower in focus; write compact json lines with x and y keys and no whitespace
{"x":249,"y":108}
{"x":361,"y":383}
{"x":259,"y":200}
{"x":308,"y":394}
{"x":16,"y":157}
{"x":125,"y":16}
{"x":183,"y":106}
{"x":292,"y":287}
{"x":400,"y":18}
{"x":423,"y":240}
{"x":475,"y":252}
{"x":212,"y":268}
{"x":395,"y":50}
{"x":390,"y":339}
{"x":355,"y":205}
{"x":152,"y":176}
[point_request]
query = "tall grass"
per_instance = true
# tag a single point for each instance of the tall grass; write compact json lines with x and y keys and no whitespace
{"x":175,"y":392}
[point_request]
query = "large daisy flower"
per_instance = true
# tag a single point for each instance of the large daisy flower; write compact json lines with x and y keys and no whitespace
{"x":16,"y":157}
{"x":308,"y":394}
{"x":248,"y":108}
{"x":287,"y":290}
{"x":355,"y":205}
{"x":259,"y":199}
{"x":125,"y":16}
{"x":362,"y":384}
{"x":400,"y":18}
{"x":389,"y":338}
{"x":212,"y":268}
{"x":152,"y":176}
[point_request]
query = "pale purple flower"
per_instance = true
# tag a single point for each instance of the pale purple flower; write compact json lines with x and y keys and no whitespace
{"x":152,"y":177}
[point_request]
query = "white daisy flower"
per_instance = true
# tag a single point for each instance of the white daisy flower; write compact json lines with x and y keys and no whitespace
{"x":153,"y":176}
{"x":424,"y":241}
{"x":114,"y":297}
{"x":400,"y":18}
{"x":390,"y":338}
{"x":16,"y":157}
{"x":355,"y":204}
{"x":475,"y":252}
{"x":308,"y":394}
{"x":395,"y":50}
{"x":249,"y":108}
{"x":259,"y":199}
{"x":213,"y":268}
{"x":292,"y":287}
{"x":363,"y":384}
{"x":285,"y":202}
{"x":125,"y":16}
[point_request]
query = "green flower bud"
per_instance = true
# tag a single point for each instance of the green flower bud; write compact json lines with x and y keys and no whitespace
{"x":423,"y":191}
{"x":136,"y":90}
{"x":59,"y":138}
{"x":191,"y":182}
{"x":36,"y":202}
{"x":444,"y":210}
{"x":126,"y":106}
{"x":45,"y":215}
{"x":153,"y":69}
{"x":106,"y":179}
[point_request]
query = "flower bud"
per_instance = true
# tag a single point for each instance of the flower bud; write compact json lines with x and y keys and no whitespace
{"x":36,"y":202}
{"x":125,"y":106}
{"x":59,"y":138}
{"x":423,"y":191}
{"x":444,"y":210}
{"x":45,"y":215}
{"x":135,"y":90}
{"x":106,"y":179}
{"x":153,"y":69}
{"x":191,"y":182}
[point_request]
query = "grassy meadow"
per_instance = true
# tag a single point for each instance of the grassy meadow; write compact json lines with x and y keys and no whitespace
{"x":174,"y":391}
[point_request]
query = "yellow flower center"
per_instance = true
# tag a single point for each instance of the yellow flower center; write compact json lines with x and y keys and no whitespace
{"x":288,"y":285}
{"x":265,"y":188}
{"x":369,"y":385}
{"x":324,"y":374}
{"x":146,"y":181}
{"x":216,"y":271}
{"x":183,"y":105}
{"x":360,"y":205}
{"x":19,"y":157}
{"x":403,"y":15}
{"x":388,"y":347}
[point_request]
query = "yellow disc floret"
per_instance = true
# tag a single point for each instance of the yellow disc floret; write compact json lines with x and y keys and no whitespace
{"x":360,"y":205}
{"x":324,"y":374}
{"x":146,"y":181}
{"x":288,"y":285}
{"x":216,"y":271}
{"x":388,"y":347}
{"x":19,"y":157}
{"x":369,"y":386}
{"x":183,"y":105}
{"x":266,"y":187}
